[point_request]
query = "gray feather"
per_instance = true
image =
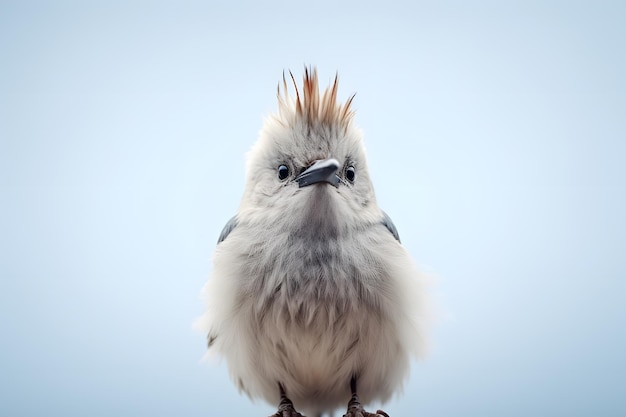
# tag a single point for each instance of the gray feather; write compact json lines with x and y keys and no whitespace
{"x":232,"y":223}
{"x":390,"y":226}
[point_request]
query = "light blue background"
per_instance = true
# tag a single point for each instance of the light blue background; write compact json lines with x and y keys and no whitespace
{"x":496,"y":134}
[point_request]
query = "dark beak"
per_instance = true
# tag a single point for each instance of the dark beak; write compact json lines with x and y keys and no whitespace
{"x":321,"y":171}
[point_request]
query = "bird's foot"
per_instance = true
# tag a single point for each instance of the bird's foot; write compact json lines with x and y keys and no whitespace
{"x":358,"y":411}
{"x":355,"y":409}
{"x":286,"y":409}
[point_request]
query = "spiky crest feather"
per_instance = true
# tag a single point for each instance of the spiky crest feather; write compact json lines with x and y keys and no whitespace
{"x":308,"y":107}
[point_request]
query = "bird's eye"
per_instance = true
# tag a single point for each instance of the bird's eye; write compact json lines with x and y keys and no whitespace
{"x":283,"y":172}
{"x":350,"y":173}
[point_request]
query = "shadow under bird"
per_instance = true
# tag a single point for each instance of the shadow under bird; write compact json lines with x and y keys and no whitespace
{"x":313,"y":301}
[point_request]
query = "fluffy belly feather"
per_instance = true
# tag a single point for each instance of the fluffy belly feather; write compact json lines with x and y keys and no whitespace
{"x":314,"y":349}
{"x":312,"y":317}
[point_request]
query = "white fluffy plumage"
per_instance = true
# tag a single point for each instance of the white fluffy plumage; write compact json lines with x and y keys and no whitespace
{"x":309,"y":287}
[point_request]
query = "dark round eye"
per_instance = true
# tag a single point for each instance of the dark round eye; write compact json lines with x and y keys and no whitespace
{"x":350,"y":173}
{"x":283,"y":172}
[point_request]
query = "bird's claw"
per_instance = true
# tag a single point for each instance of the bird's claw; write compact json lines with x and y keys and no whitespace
{"x":287,"y":413}
{"x":357,"y":410}
{"x":286,"y":409}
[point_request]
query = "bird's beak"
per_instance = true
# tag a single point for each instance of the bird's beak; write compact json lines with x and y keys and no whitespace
{"x":321,"y":171}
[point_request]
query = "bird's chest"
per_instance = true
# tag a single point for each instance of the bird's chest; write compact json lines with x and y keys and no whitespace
{"x":312,"y":284}
{"x":312,"y":304}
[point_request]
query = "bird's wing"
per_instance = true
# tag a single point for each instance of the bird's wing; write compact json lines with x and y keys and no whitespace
{"x":390,"y":226}
{"x":232,"y":223}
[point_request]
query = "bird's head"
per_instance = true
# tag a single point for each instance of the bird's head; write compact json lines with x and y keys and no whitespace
{"x":308,"y":170}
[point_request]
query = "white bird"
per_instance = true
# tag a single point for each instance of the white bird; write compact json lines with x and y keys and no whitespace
{"x":312,"y":298}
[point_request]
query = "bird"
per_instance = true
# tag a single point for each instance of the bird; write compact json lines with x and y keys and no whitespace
{"x":312,"y":299}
